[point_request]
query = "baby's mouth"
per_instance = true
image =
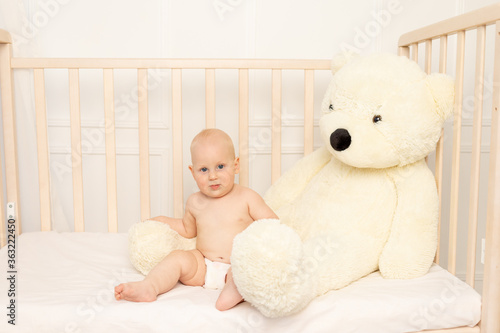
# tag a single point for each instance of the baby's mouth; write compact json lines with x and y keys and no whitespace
{"x":215,"y":187}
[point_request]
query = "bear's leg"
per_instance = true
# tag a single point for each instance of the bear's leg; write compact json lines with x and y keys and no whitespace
{"x":267,"y":263}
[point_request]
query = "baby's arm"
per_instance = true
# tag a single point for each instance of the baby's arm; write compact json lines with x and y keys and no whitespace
{"x":257,"y":207}
{"x":186,"y":226}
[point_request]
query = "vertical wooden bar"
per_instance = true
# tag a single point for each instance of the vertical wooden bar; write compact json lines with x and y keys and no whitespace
{"x":5,"y":41}
{"x":404,"y":51}
{"x":42,"y":149}
{"x":443,"y":53}
{"x":428,"y":56}
{"x":210,"y":98}
{"x":109,"y":121}
{"x":9,"y":130}
{"x":142,"y":92}
{"x":414,"y":49}
{"x":243,"y":126}
{"x":177,"y":141}
{"x":276,"y":125}
{"x":438,"y":172}
{"x":76,"y":149}
{"x":490,"y":321}
{"x":427,"y":66}
{"x":455,"y":160}
{"x":476,"y":155}
{"x":308,"y":111}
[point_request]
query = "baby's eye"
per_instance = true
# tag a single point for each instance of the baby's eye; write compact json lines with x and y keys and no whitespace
{"x":220,"y":167}
{"x":204,"y":169}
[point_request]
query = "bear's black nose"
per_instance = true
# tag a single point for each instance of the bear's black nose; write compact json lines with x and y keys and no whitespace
{"x":340,"y":139}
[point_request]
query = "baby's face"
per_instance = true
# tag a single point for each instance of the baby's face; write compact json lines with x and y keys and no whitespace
{"x":214,"y":168}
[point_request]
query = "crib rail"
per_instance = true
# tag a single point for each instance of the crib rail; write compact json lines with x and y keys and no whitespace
{"x":100,"y":63}
{"x":409,"y":45}
{"x":142,"y":66}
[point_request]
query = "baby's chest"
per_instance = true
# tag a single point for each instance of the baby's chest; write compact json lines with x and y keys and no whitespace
{"x":223,"y":215}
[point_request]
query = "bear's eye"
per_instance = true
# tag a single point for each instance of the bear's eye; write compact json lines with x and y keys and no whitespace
{"x":377,"y":118}
{"x":331,"y":107}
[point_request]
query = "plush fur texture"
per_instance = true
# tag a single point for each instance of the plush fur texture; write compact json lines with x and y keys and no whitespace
{"x":364,"y":201}
{"x":151,"y":241}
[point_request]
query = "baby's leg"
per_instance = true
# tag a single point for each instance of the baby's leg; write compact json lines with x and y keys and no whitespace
{"x":229,"y":295}
{"x":187,"y":267}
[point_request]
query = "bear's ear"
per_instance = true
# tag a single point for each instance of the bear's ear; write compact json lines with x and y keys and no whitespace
{"x":442,"y":88}
{"x":339,"y":60}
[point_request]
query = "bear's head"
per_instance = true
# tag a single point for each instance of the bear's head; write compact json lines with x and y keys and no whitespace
{"x":382,"y":110}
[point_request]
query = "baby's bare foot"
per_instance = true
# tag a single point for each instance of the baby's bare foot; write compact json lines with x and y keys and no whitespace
{"x":141,"y":291}
{"x":228,"y":298}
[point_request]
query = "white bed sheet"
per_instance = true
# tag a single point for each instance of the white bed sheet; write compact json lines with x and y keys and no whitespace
{"x":65,"y":283}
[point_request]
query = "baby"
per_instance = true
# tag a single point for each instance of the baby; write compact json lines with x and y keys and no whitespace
{"x":214,"y":215}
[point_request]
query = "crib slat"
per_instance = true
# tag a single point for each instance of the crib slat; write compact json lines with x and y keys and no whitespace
{"x":404,"y":51}
{"x":109,"y":116}
{"x":476,"y":156}
{"x":76,"y":148}
{"x":210,"y":98}
{"x":308,"y":111}
{"x":428,"y":56}
{"x":427,"y":66}
{"x":243,"y":126}
{"x":9,"y":134}
{"x":177,"y":140}
{"x":414,"y":51}
{"x":142,"y":91}
{"x":42,"y":149}
{"x":438,"y":172}
{"x":455,"y":162}
{"x":276,"y":126}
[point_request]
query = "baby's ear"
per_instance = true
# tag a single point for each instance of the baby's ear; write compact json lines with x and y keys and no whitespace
{"x":237,"y":165}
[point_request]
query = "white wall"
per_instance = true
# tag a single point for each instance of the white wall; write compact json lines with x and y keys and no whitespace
{"x":175,"y":29}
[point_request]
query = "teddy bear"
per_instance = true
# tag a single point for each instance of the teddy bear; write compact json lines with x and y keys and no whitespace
{"x":365,"y":201}
{"x":150,"y":241}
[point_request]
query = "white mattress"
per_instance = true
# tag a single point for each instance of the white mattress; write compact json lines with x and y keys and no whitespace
{"x":65,"y":283}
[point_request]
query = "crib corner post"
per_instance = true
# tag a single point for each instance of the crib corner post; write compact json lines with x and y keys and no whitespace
{"x":490,"y":321}
{"x":5,"y":37}
{"x":9,"y":124}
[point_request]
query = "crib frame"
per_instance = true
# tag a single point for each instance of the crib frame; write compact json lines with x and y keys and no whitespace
{"x":408,"y":46}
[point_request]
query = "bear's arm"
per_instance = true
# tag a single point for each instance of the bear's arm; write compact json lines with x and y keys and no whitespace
{"x":293,"y":181}
{"x":411,"y":247}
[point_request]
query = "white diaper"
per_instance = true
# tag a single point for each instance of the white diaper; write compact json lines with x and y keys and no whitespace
{"x":215,"y":278}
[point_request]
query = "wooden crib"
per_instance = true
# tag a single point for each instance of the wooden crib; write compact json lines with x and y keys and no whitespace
{"x":444,"y":42}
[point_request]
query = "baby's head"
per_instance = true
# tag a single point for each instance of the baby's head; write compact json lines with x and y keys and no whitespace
{"x":214,"y":164}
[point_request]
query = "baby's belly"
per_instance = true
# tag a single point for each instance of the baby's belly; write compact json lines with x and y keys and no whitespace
{"x":359,"y":201}
{"x":214,"y":254}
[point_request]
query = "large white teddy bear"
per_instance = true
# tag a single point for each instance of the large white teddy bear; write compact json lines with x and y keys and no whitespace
{"x":364,"y":201}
